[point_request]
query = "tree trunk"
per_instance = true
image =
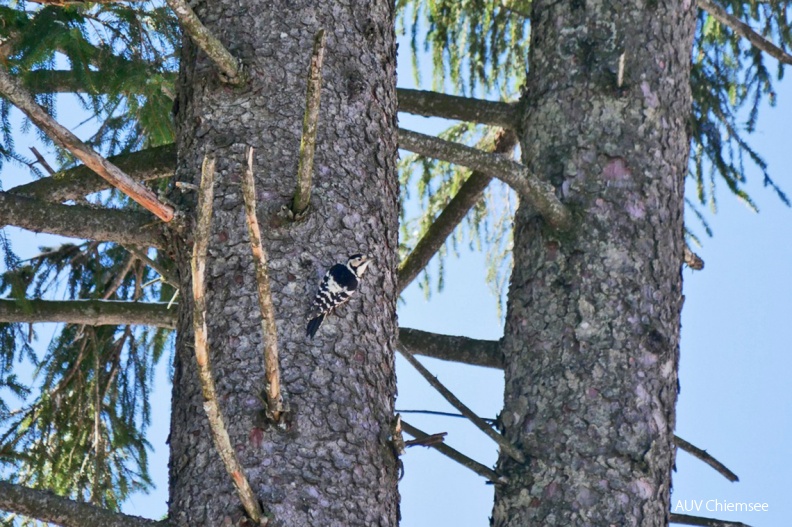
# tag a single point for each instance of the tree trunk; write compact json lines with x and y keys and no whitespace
{"x":592,"y":331}
{"x":333,"y":465}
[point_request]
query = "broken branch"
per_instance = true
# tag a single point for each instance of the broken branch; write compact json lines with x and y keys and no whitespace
{"x":268,"y":328}
{"x":302,"y":196}
{"x":211,"y":405}
{"x":17,"y":95}
{"x":230,"y":68}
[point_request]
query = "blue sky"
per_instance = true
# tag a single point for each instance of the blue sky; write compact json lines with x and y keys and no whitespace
{"x":735,"y":399}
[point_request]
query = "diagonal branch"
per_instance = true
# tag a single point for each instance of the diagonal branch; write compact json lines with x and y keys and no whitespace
{"x":50,"y":508}
{"x":433,"y":104}
{"x":230,"y":68}
{"x":744,"y":30}
{"x":88,"y":312}
{"x":302,"y":195}
{"x":685,"y":519}
{"x":78,"y":221}
{"x":539,"y":194}
{"x":702,"y":455}
{"x":269,"y":330}
{"x":77,"y":182}
{"x":211,"y":405}
{"x":482,"y":425}
{"x":457,"y":349}
{"x":17,"y":95}
{"x":457,"y":456}
{"x":465,"y":199}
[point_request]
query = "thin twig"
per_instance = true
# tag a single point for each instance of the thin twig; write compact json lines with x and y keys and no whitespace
{"x":457,"y":456}
{"x":268,"y":328}
{"x":538,"y":193}
{"x":16,"y":94}
{"x":441,"y":414}
{"x":460,"y":205}
{"x":42,"y":161}
{"x":230,"y":68}
{"x":482,"y":425}
{"x":706,"y":458}
{"x":686,"y":519}
{"x":302,"y":195}
{"x":744,"y":30}
{"x":119,"y":277}
{"x":211,"y":405}
{"x":143,"y":257}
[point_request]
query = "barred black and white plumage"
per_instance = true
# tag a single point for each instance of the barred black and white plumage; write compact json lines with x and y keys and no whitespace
{"x":338,"y":284}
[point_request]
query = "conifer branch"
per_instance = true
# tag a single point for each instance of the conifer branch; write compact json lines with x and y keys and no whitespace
{"x":452,"y":215}
{"x":75,"y":183}
{"x":451,"y":348}
{"x":79,"y":2}
{"x":744,"y":30}
{"x":211,"y":404}
{"x":686,"y":519}
{"x":230,"y":67}
{"x":88,"y":312}
{"x":457,"y":456}
{"x":302,"y":195}
{"x":539,"y":194}
{"x":269,"y":331}
{"x":702,"y":455}
{"x":13,"y":91}
{"x":143,"y":257}
{"x":434,"y":104}
{"x":482,"y":425}
{"x":50,"y":508}
{"x":76,"y":221}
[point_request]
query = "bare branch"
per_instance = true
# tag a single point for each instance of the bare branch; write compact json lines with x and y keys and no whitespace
{"x":11,"y":90}
{"x":77,"y":221}
{"x":744,"y":30}
{"x":539,"y":194}
{"x":685,"y":519}
{"x":482,"y":425}
{"x":75,"y":183}
{"x":302,"y":196}
{"x":692,"y":259}
{"x":42,"y":161}
{"x":465,"y":199}
{"x":457,"y":456}
{"x":211,"y":405}
{"x":88,"y":312}
{"x":706,"y":458}
{"x":80,"y":2}
{"x":433,"y":104}
{"x":269,"y":330}
{"x":230,"y":68}
{"x":457,"y":349}
{"x":50,"y":508}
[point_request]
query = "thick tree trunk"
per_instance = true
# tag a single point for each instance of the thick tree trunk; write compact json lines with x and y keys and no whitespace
{"x":333,"y":465}
{"x":592,"y":332}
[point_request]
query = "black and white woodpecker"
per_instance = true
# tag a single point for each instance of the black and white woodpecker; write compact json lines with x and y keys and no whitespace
{"x":337,"y":286}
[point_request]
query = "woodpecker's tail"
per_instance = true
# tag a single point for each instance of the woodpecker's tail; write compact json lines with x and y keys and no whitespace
{"x":313,"y":325}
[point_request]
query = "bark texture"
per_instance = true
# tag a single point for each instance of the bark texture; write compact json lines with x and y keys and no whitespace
{"x":333,"y":464}
{"x":592,"y":330}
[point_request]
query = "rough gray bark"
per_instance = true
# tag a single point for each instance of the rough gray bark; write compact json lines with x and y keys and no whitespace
{"x":333,"y":465}
{"x":592,"y":330}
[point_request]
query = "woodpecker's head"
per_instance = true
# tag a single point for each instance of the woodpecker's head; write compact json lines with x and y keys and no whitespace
{"x":357,"y":263}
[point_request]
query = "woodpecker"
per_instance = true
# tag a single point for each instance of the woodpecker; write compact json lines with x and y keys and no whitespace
{"x":337,"y":286}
